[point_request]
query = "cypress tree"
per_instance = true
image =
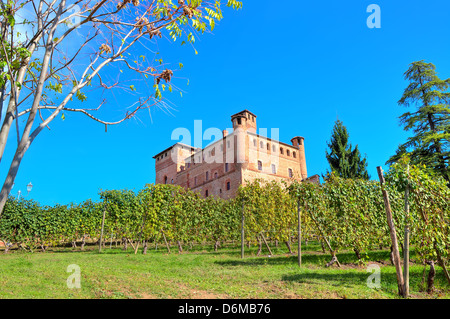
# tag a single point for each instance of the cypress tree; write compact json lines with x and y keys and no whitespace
{"x":429,"y":121}
{"x":345,"y":161}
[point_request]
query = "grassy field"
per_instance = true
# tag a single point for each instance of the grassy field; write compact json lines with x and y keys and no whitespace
{"x":201,"y":273}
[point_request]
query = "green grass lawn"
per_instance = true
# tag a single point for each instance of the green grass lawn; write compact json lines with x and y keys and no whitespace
{"x":201,"y":273}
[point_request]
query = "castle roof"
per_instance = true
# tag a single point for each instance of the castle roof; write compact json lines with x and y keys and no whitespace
{"x":170,"y":147}
{"x":240,"y":113}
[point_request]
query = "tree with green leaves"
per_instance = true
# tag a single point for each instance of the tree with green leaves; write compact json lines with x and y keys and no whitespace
{"x":429,"y":121}
{"x":51,"y":52}
{"x":345,"y":161}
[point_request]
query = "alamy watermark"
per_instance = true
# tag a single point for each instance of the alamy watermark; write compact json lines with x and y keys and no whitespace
{"x":374,"y":20}
{"x":374,"y":280}
{"x":227,"y":146}
{"x":74,"y":280}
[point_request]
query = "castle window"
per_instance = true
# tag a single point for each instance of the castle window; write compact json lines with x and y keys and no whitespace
{"x":290,"y":173}
{"x":254,"y":142}
{"x":274,"y":169}
{"x":165,"y":179}
{"x":228,"y":186}
{"x":268,"y":146}
{"x":206,"y":193}
{"x":165,"y":155}
{"x":207,"y":175}
{"x":288,"y":153}
{"x":260,"y":165}
{"x":195,"y":181}
{"x":215,"y":175}
{"x":253,"y":118}
{"x":171,"y":181}
{"x":274,"y":149}
{"x":261,"y":144}
{"x":220,"y":190}
{"x":239,"y":121}
{"x":281,"y":151}
{"x":294,"y":154}
{"x":226,"y":167}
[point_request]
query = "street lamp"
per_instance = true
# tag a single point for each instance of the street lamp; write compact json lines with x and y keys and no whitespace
{"x":29,"y":187}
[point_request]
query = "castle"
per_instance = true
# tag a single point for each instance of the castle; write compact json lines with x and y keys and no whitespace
{"x":239,"y":157}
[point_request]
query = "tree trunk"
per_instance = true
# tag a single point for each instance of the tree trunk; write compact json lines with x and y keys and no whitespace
{"x":14,"y":168}
{"x":431,"y":275}
{"x":144,"y":251}
{"x":125,"y":243}
{"x":288,"y":246}
{"x":391,"y":256}
{"x":332,"y":261}
{"x":358,"y":255}
{"x":259,"y":245}
{"x":26,"y":139}
{"x":180,"y":248}
{"x":216,"y":245}
{"x":83,"y":242}
{"x":422,"y":283}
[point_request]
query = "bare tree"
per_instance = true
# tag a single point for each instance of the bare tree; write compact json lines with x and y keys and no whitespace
{"x":44,"y":65}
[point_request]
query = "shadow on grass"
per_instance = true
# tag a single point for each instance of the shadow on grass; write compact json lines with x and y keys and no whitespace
{"x":313,"y":259}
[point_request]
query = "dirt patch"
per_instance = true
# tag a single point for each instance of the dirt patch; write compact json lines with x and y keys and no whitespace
{"x":201,"y":294}
{"x":184,"y":291}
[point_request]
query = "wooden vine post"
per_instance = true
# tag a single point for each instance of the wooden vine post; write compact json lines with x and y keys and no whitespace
{"x":267,"y":245}
{"x":165,"y":241}
{"x":299,"y":234}
{"x":334,"y":258}
{"x":140,"y":235}
{"x":406,"y":241}
{"x":103,"y":225}
{"x":395,"y":252}
{"x":242,"y":232}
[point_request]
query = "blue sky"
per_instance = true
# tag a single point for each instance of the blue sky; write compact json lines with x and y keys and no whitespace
{"x":296,"y":65}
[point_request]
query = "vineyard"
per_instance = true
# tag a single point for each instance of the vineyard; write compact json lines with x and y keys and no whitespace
{"x":340,"y":214}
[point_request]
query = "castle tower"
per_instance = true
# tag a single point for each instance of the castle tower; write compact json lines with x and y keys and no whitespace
{"x":245,"y":120}
{"x":299,"y":142}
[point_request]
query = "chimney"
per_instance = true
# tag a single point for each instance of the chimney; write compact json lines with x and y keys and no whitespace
{"x":225,"y":133}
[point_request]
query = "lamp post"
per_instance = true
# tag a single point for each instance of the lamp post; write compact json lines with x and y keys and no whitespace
{"x":29,"y":188}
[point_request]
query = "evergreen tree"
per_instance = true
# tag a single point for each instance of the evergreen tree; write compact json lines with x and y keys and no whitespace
{"x":345,"y":161}
{"x":429,"y":121}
